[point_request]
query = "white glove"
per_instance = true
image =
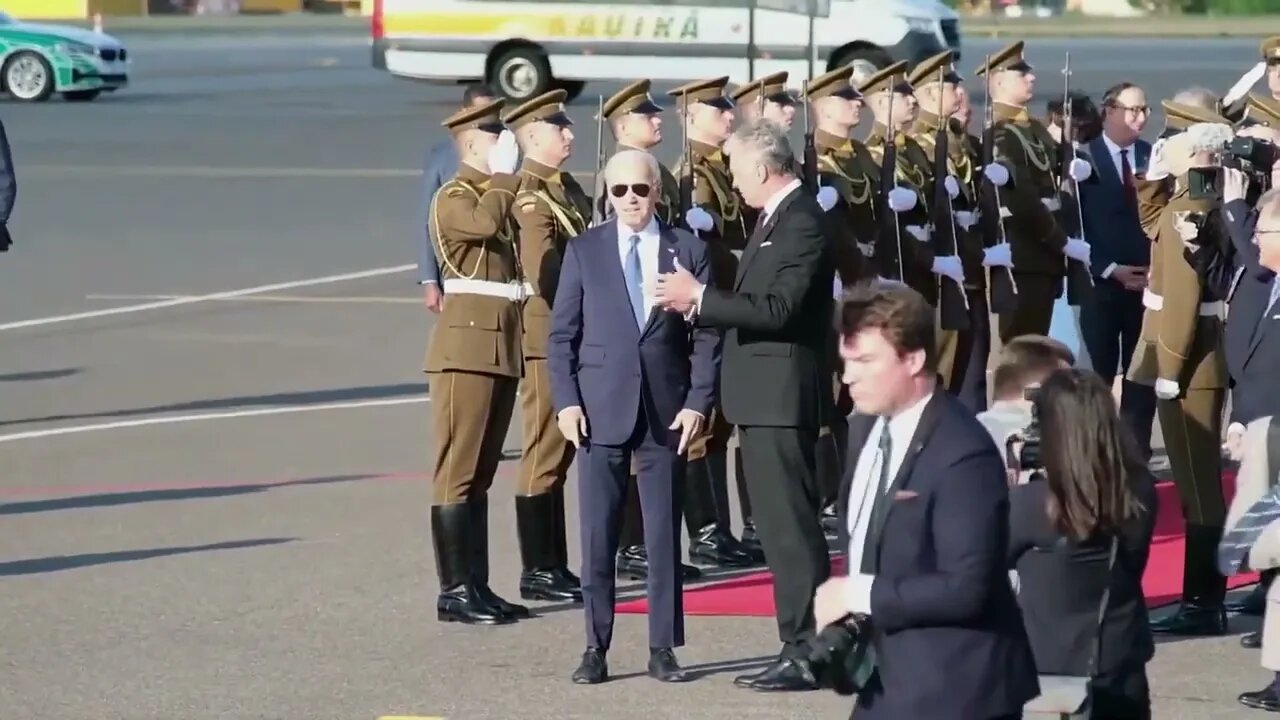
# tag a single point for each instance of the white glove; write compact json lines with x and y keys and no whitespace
{"x":1079,"y":170}
{"x":1077,"y":249}
{"x":919,"y":232}
{"x":952,"y":186}
{"x":966,"y":218}
{"x":997,"y":174}
{"x":1245,"y":83}
{"x":901,"y":199}
{"x":1155,"y":164}
{"x":867,"y":249}
{"x":827,"y":197}
{"x":699,"y":219}
{"x":1051,"y":204}
{"x":1234,"y":445}
{"x":504,"y":156}
{"x":998,"y":255}
{"x":949,"y":266}
{"x":1167,"y":389}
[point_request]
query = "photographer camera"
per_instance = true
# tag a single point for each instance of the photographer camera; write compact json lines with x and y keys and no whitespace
{"x":1079,"y":541}
{"x":1023,"y":364}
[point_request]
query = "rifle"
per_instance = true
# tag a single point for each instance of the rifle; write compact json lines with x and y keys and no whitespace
{"x":686,"y":164}
{"x":888,"y":181}
{"x":1079,"y":276}
{"x":601,"y":196}
{"x":1002,"y":290}
{"x":809,"y":170}
{"x":953,"y":304}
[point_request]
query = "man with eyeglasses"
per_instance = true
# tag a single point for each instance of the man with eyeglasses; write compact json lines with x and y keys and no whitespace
{"x":631,"y":382}
{"x":1111,"y":317}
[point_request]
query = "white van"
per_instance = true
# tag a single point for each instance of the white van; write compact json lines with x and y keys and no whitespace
{"x":526,"y":47}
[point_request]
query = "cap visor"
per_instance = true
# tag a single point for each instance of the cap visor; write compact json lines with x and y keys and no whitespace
{"x":782,"y":98}
{"x":1019,"y":67}
{"x":647,"y":107}
{"x":848,"y":93}
{"x":953,"y":77}
{"x":721,"y":102}
{"x":904,"y":88}
{"x":559,"y":119}
{"x":495,"y":128}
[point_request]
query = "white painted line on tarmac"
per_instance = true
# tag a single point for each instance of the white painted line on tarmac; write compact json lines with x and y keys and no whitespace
{"x":174,"y":419}
{"x":174,"y":302}
{"x":376,"y":299}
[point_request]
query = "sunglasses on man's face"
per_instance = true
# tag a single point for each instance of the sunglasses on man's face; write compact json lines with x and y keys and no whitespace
{"x":640,"y":189}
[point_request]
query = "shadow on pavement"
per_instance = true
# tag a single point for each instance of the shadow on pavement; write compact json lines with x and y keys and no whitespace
{"x":39,"y":375}
{"x":70,"y":562}
{"x":142,"y":496}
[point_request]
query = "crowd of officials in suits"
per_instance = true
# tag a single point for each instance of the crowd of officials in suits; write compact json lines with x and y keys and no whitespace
{"x":838,"y":311}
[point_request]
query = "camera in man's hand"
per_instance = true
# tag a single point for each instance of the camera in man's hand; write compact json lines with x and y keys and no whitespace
{"x":838,"y":655}
{"x":1027,"y":440}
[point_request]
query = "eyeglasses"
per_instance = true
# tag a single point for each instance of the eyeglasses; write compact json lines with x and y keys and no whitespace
{"x":640,"y":189}
{"x":1135,"y":109}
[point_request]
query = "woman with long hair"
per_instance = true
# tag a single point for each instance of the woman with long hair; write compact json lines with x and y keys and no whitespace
{"x":1092,"y":493}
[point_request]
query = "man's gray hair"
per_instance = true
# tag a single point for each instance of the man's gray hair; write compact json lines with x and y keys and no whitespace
{"x":623,"y":156}
{"x":770,"y":141}
{"x":1198,"y":97}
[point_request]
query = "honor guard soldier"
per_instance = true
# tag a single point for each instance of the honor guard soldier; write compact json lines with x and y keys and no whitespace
{"x":1026,"y":151}
{"x":1235,"y":102}
{"x":905,"y":251}
{"x":845,"y":165}
{"x":1261,"y":110}
{"x":716,"y":216}
{"x":1181,"y":355}
{"x":473,"y":359}
{"x":1154,"y":184}
{"x":634,"y":119}
{"x":766,"y":98}
{"x":550,"y":209}
{"x":962,"y":354}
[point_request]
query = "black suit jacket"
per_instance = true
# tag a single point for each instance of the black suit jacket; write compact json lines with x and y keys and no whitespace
{"x":777,"y":322}
{"x":1252,"y":334}
{"x":948,"y":633}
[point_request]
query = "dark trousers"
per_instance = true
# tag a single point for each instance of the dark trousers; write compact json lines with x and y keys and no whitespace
{"x":975,"y":347}
{"x":1110,"y":325}
{"x":602,"y":485}
{"x":787,"y":497}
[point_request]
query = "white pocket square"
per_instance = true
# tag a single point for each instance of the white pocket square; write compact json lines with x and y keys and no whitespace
{"x":766,"y":243}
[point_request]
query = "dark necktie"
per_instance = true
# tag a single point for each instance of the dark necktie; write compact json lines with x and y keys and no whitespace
{"x":880,"y":506}
{"x":1126,"y":175}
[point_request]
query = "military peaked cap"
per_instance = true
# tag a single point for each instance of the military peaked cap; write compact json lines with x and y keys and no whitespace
{"x":548,"y":108}
{"x":484,"y":117}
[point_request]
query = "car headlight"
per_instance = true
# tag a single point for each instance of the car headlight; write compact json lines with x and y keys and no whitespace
{"x":921,"y":24}
{"x":75,"y":48}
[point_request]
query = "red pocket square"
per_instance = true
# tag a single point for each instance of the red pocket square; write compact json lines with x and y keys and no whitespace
{"x":906,"y":495}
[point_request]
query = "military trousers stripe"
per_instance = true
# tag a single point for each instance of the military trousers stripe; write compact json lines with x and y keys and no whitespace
{"x":547,"y":455}
{"x":471,"y":413}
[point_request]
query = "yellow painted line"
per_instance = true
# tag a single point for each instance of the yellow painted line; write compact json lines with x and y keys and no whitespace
{"x":273,"y":298}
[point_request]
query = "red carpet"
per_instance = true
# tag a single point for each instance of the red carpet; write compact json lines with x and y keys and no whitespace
{"x":752,"y":595}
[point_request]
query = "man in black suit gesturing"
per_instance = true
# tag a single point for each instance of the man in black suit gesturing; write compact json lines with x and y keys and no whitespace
{"x":775,"y":377}
{"x":925,"y":516}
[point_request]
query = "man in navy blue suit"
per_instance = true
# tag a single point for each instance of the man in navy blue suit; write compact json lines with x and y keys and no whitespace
{"x":925,"y":518}
{"x":629,"y":378}
{"x":1111,"y":319}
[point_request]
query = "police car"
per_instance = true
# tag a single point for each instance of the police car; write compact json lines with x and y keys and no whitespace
{"x":38,"y":60}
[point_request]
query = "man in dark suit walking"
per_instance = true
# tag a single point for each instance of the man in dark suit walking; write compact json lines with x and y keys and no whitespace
{"x":629,"y":379}
{"x":777,"y":377}
{"x":925,"y":517}
{"x":1111,"y":319}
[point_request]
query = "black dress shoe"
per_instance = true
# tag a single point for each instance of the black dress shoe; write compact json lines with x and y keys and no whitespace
{"x":663,"y":666}
{"x":1193,"y":619}
{"x":786,"y":675}
{"x":1252,"y":640}
{"x":751,"y":541}
{"x":1255,"y":603}
{"x":1264,"y":699}
{"x":633,"y":563}
{"x":593,"y":669}
{"x":830,"y":521}
{"x":713,"y":546}
{"x":550,"y":585}
{"x":504,"y":608}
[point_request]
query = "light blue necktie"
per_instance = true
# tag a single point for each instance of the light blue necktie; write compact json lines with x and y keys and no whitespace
{"x":635,"y":280}
{"x":1275,"y":293}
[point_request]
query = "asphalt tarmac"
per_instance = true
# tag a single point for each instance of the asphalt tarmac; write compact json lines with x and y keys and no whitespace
{"x":217,"y":508}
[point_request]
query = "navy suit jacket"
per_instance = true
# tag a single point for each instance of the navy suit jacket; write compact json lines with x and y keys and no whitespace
{"x":1252,"y":341}
{"x":440,"y":165}
{"x":947,"y":630}
{"x":1111,"y":222}
{"x":600,"y":361}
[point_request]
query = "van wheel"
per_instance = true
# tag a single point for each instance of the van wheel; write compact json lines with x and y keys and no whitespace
{"x":873,"y":55}
{"x":522,"y":73}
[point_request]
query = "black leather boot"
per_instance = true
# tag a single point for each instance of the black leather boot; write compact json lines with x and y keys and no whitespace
{"x":750,"y":542}
{"x":562,"y":541}
{"x":1254,"y":603}
{"x":632,"y":562}
{"x":1202,"y":611}
{"x":709,"y":542}
{"x":480,"y":561}
{"x":459,"y":600}
{"x":544,"y":577}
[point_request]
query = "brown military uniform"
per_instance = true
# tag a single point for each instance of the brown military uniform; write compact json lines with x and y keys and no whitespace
{"x":1026,"y":149}
{"x":635,"y":99}
{"x":1154,"y":193}
{"x":1238,"y":111}
{"x":1182,"y":336}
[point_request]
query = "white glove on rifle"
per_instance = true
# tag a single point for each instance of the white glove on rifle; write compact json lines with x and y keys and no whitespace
{"x":966,"y":218}
{"x":504,"y":156}
{"x":1167,"y":389}
{"x":901,"y":199}
{"x":699,"y":219}
{"x":827,"y":197}
{"x":952,"y":186}
{"x":997,"y":174}
{"x":919,"y":232}
{"x":949,"y":266}
{"x":998,"y":255}
{"x":1077,"y":249}
{"x":1079,"y":170}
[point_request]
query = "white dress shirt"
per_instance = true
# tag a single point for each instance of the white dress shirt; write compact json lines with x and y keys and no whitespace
{"x":648,"y":248}
{"x":866,"y":485}
{"x":765,"y":212}
{"x":1118,"y":164}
